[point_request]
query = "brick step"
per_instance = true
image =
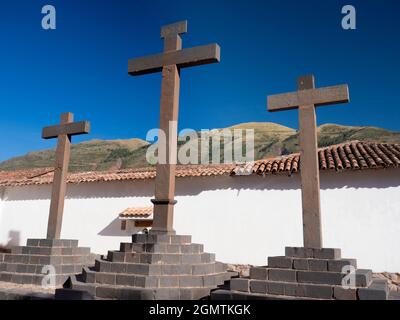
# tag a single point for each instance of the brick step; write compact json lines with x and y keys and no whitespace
{"x":104,"y":291}
{"x":378,"y":289}
{"x":363,"y":277}
{"x":317,"y":253}
{"x":161,"y":248}
{"x":159,"y":269}
{"x":161,"y":238}
{"x":38,"y":268}
{"x":23,"y":294}
{"x":311,"y":264}
{"x":155,"y":259}
{"x":237,"y":295}
{"x":63,"y":243}
{"x":30,"y":279}
{"x":58,"y":251}
{"x":140,"y":257}
{"x":46,"y":259}
{"x":155,"y":281}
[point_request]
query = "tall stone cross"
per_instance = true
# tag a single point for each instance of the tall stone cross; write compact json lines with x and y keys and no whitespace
{"x":63,"y":132}
{"x":306,"y":99}
{"x":170,"y":62}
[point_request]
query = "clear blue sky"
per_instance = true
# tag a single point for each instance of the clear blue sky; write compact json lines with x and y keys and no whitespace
{"x":82,"y":65}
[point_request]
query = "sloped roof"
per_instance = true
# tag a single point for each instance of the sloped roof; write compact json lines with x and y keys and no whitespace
{"x":348,"y":156}
{"x":137,"y":212}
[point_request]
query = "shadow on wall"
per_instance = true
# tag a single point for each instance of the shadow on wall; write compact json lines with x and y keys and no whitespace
{"x":14,"y":238}
{"x":370,"y":178}
{"x":114,"y":230}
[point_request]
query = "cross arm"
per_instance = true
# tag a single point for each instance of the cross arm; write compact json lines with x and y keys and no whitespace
{"x":317,"y":97}
{"x":183,"y":58}
{"x":73,"y":128}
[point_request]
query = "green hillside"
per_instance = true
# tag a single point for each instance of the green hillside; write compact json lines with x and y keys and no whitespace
{"x":270,"y":139}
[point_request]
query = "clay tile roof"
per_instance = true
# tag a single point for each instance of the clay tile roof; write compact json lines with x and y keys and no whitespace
{"x":354,"y":155}
{"x":139,"y":212}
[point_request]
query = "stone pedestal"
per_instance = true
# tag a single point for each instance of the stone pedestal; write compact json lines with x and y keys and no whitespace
{"x":305,"y":273}
{"x":29,"y":264}
{"x":153,"y":266}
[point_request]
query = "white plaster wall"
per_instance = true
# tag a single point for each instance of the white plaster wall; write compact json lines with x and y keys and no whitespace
{"x":241,"y":219}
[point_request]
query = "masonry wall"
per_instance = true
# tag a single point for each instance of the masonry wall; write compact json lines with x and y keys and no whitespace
{"x":241,"y":219}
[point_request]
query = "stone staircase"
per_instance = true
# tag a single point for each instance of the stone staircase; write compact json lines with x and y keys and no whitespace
{"x":305,"y":273}
{"x":29,"y":264}
{"x":153,"y":266}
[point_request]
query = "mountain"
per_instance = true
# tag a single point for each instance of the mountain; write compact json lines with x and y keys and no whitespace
{"x":270,"y":139}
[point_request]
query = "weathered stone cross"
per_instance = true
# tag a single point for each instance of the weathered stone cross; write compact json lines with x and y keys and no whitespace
{"x":170,"y":62}
{"x":306,"y":99}
{"x":63,"y":132}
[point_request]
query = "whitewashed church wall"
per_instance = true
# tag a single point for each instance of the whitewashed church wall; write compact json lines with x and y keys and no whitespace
{"x":241,"y":219}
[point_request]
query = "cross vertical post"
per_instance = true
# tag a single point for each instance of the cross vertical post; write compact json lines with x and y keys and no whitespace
{"x":63,"y":132}
{"x":306,"y":99}
{"x":170,"y":63}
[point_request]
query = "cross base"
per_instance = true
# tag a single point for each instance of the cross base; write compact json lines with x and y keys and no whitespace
{"x":47,"y":262}
{"x":306,"y":274}
{"x":154,"y":266}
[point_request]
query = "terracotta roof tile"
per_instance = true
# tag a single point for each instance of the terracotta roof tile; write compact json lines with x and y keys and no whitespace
{"x":353,"y":155}
{"x":138,"y":212}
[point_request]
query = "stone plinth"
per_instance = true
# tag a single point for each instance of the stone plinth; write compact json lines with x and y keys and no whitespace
{"x":29,"y":264}
{"x":152,"y":266}
{"x":305,"y":273}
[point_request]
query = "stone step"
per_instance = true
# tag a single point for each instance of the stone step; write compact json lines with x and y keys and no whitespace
{"x":161,"y":238}
{"x":317,"y":253}
{"x":237,"y":295}
{"x":162,"y":248}
{"x":362,"y":278}
{"x":58,"y":251}
{"x":64,"y":243}
{"x":377,"y":290}
{"x":46,"y":259}
{"x":105,"y":291}
{"x":31,"y":279}
{"x":192,"y":267}
{"x":38,"y":268}
{"x":159,"y":281}
{"x":311,"y":264}
{"x":169,"y":258}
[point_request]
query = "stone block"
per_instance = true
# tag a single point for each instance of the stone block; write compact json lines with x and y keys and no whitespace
{"x":280,"y":262}
{"x":176,"y":269}
{"x":316,"y":277}
{"x":106,"y":292}
{"x":169,"y":282}
{"x":119,"y":267}
{"x":181,"y":239}
{"x":240,"y":284}
{"x":190,"y":281}
{"x":33,"y":242}
{"x":193,"y":248}
{"x":299,"y":252}
{"x":190,"y":258}
{"x":125,"y":280}
{"x":88,"y":275}
{"x":378,"y":290}
{"x":276,"y":288}
{"x":300,"y":264}
{"x":363,"y":277}
{"x":221,"y":295}
{"x":259,"y":273}
{"x":207,"y":257}
{"x":146,"y":281}
{"x":340,"y":293}
{"x":318,"y":291}
{"x":258,"y":286}
{"x":106,"y":278}
{"x":337,"y":265}
{"x":202,"y":269}
{"x":317,"y":265}
{"x":129,"y":294}
{"x":167,"y":294}
{"x":294,"y":290}
{"x":284,"y":275}
{"x":327,"y":253}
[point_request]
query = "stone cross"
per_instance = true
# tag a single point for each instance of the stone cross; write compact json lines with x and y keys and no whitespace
{"x":306,"y":99}
{"x":170,"y":62}
{"x":63,"y":132}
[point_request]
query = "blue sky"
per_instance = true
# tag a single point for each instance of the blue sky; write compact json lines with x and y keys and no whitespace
{"x":82,"y":65}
